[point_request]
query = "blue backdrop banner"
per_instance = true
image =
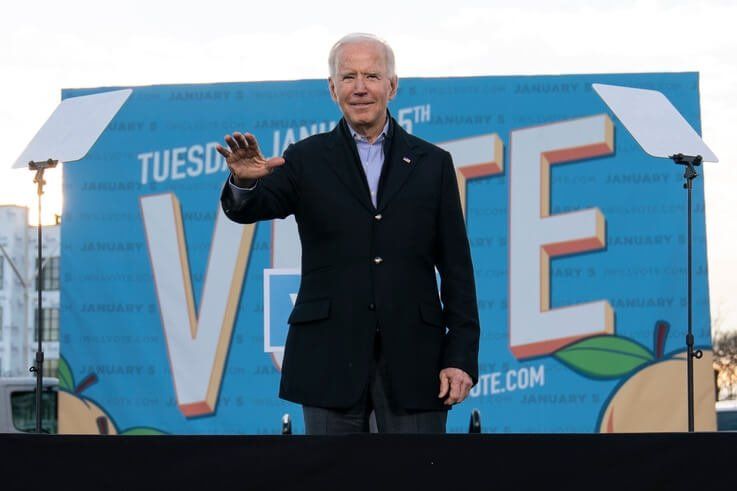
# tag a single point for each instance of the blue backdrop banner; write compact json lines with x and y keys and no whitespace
{"x":174,"y":318}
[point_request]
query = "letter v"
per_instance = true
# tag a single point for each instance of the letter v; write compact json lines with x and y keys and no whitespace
{"x":197,"y":343}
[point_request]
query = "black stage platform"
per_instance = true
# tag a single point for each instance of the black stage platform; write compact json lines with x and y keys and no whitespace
{"x":699,"y":461}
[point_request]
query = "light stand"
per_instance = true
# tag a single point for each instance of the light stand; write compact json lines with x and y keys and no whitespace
{"x":689,"y":174}
{"x":660,"y":129}
{"x":68,"y":134}
{"x":37,"y":368}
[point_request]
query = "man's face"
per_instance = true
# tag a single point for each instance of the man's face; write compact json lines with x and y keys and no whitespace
{"x":362,"y":87}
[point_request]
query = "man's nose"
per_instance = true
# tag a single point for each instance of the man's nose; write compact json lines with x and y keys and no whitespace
{"x":360,"y":85}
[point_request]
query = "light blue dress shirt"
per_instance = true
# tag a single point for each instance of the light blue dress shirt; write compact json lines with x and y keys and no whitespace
{"x":372,"y":158}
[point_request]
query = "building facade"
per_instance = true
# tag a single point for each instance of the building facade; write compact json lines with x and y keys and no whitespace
{"x":18,"y":297}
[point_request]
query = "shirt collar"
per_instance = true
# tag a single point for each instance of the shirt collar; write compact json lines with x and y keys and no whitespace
{"x":360,"y":138}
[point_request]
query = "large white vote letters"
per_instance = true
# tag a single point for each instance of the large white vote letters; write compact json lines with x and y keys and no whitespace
{"x":535,"y":236}
{"x":197,"y":341}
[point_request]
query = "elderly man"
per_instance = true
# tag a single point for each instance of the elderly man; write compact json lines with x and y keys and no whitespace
{"x":377,"y":210}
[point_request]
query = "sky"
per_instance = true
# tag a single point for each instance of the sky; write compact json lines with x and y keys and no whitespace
{"x":49,"y":45}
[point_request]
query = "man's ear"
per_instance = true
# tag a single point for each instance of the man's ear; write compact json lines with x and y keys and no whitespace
{"x":394,"y":84}
{"x":331,"y":87}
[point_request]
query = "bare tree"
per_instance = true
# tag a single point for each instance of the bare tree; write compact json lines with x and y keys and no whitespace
{"x":725,"y":363}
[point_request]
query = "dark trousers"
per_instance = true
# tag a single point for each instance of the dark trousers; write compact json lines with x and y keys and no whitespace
{"x":374,"y":412}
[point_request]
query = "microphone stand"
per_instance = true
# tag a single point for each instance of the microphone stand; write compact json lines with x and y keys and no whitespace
{"x":37,"y":368}
{"x":690,"y":163}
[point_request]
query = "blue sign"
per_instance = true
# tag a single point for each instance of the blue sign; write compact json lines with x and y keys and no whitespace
{"x":174,"y":318}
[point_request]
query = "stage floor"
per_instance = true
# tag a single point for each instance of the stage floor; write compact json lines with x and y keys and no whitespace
{"x":379,"y":462}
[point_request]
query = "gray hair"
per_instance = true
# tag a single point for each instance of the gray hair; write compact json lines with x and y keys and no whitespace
{"x":361,"y":37}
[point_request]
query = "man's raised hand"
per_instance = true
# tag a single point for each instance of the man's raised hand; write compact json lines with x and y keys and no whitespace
{"x":245,"y":160}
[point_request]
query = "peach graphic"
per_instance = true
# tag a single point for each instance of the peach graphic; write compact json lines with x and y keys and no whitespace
{"x":80,"y":416}
{"x":83,"y":417}
{"x":652,"y":396}
{"x":654,"y":399}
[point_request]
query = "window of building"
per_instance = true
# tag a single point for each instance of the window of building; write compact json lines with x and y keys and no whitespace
{"x":49,"y":273}
{"x":51,"y":367}
{"x":2,"y":276}
{"x":2,"y":323}
{"x":50,"y":323}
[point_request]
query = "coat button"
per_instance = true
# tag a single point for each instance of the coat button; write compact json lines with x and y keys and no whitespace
{"x":378,"y":260}
{"x":378,"y":217}
{"x":372,"y":306}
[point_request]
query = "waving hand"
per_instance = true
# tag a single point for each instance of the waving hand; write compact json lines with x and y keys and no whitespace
{"x":245,"y":160}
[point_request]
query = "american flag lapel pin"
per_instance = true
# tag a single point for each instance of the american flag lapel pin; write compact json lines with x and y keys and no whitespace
{"x":406,"y":160}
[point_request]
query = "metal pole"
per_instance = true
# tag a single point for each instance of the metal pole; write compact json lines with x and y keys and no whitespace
{"x":39,"y":167}
{"x":39,"y":311}
{"x":691,"y":174}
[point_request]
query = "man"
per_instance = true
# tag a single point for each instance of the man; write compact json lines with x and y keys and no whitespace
{"x":377,"y":210}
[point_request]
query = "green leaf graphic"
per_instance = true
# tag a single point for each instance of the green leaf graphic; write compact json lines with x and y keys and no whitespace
{"x":605,"y":356}
{"x":66,"y":378}
{"x":142,"y":430}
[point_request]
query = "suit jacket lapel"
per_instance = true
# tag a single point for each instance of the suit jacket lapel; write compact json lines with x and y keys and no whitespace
{"x":344,"y":161}
{"x":398,"y":166}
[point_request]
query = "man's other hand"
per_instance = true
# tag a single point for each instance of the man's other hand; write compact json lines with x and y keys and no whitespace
{"x":245,"y":160}
{"x":455,"y":384}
